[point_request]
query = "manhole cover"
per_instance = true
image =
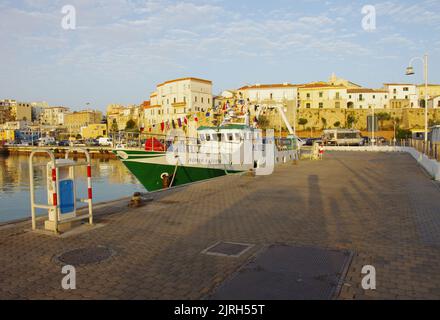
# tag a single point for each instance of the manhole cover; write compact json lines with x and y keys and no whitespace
{"x":288,"y":273}
{"x":228,"y":249}
{"x":83,"y":256}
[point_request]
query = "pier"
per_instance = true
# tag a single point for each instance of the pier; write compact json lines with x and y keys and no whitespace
{"x":381,"y":207}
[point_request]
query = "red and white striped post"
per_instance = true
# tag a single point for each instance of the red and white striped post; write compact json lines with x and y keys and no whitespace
{"x":89,"y":190}
{"x":55,"y":195}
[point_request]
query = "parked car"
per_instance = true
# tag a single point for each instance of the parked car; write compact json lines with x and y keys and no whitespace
{"x":92,"y":143}
{"x":79,"y":143}
{"x":105,"y":141}
{"x":46,"y":141}
{"x":63,"y":143}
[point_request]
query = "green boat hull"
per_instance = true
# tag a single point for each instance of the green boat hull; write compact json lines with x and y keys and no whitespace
{"x":149,"y":174}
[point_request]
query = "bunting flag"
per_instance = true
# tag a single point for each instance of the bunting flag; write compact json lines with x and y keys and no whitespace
{"x":173,"y":124}
{"x":207,"y":114}
{"x":196,"y":119}
{"x":162,"y":126}
{"x":185,"y":120}
{"x":168,"y":125}
{"x":149,"y":129}
{"x":179,"y":122}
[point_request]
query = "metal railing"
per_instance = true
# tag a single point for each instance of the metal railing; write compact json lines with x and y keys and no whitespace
{"x":432,"y":150}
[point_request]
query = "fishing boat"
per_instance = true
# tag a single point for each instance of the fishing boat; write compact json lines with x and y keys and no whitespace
{"x":229,"y":148}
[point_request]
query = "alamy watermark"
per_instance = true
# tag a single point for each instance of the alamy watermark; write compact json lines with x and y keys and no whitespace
{"x":69,"y":280}
{"x":369,"y":19}
{"x":369,"y":280}
{"x":68,"y":22}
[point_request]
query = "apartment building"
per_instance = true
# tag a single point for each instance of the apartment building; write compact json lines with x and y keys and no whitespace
{"x":268,"y":93}
{"x":18,"y":110}
{"x":53,"y":116}
{"x":363,"y":98}
{"x":120,"y":115}
{"x":73,"y":121}
{"x":179,"y":97}
{"x":322,"y":95}
{"x":5,"y":113}
{"x":402,"y":95}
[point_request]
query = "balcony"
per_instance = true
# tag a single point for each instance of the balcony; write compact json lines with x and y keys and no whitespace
{"x":178,"y":104}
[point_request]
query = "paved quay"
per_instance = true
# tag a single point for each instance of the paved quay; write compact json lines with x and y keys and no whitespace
{"x":380,"y":206}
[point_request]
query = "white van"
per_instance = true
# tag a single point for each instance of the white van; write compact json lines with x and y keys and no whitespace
{"x":105,"y":141}
{"x":46,"y":141}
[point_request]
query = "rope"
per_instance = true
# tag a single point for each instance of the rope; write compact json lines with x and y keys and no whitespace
{"x":174,"y":174}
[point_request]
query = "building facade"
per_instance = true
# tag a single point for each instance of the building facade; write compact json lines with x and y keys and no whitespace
{"x":18,"y":110}
{"x":179,"y":97}
{"x":73,"y":121}
{"x":322,"y":95}
{"x":402,"y":95}
{"x":94,"y":131}
{"x":363,"y":98}
{"x":53,"y":116}
{"x":268,"y":93}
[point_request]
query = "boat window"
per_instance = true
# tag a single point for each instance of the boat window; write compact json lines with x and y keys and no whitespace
{"x":208,"y":137}
{"x":202,"y":137}
{"x":230,"y":137}
{"x":237,"y":136}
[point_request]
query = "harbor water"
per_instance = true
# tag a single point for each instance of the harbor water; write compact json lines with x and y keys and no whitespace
{"x":111,"y":180}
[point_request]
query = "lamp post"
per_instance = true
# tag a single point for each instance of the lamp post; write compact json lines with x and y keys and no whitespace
{"x":410,"y":72}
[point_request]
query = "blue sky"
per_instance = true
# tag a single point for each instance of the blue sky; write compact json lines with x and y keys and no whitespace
{"x":121,"y":49}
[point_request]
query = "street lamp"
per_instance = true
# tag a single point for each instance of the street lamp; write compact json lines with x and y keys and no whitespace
{"x":410,"y":72}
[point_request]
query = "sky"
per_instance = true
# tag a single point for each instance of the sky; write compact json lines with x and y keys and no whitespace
{"x":120,"y":50}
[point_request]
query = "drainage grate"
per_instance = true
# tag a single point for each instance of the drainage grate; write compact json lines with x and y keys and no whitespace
{"x":288,"y":273}
{"x":83,"y":256}
{"x":228,"y":249}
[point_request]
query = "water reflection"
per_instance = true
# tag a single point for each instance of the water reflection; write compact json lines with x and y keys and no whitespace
{"x":111,"y":180}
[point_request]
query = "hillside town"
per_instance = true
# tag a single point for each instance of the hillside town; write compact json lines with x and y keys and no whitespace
{"x":188,"y":103}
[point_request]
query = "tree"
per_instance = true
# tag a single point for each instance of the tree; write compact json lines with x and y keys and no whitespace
{"x":324,"y":122}
{"x":114,"y":126}
{"x":263,"y":122}
{"x":302,"y":122}
{"x":337,"y":124}
{"x":131,"y":126}
{"x":351,"y":119}
{"x":403,"y":134}
{"x":381,"y":117}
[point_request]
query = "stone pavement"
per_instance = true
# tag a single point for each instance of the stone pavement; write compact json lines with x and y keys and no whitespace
{"x":381,"y":206}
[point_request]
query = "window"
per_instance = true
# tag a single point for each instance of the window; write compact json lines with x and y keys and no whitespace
{"x":374,"y":97}
{"x":321,"y":105}
{"x":361,"y":98}
{"x":406,"y":97}
{"x":195,"y":99}
{"x":320,"y":94}
{"x":349,"y":97}
{"x":174,"y":100}
{"x":405,"y":89}
{"x":394,"y":91}
{"x":271,"y":96}
{"x":308,"y":105}
{"x":202,"y":99}
{"x":184,"y":99}
{"x":337,"y":96}
{"x":337,"y":104}
{"x":308,"y":95}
